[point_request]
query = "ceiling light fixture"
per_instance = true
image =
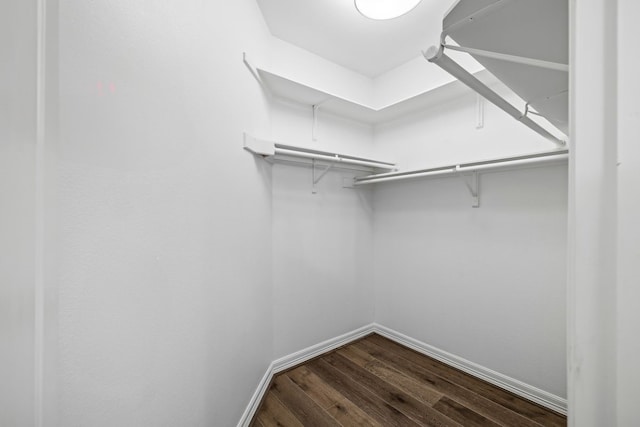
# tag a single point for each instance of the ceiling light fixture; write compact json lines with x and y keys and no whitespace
{"x":385,"y":9}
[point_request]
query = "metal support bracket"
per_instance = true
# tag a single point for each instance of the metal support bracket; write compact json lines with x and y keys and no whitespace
{"x":316,"y":179}
{"x":314,"y":125}
{"x":348,"y":182}
{"x":435,"y":55}
{"x":472,"y":183}
{"x":255,"y":74}
{"x":479,"y":112}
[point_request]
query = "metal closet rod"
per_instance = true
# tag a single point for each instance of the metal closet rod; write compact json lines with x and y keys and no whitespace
{"x":436,"y":56}
{"x":274,"y":151}
{"x":287,"y":150}
{"x":510,"y":58}
{"x":546,"y":157}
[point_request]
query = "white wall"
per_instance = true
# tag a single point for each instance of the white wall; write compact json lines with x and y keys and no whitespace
{"x":486,"y":284}
{"x":593,"y":234}
{"x":322,"y":243}
{"x":164,"y":267}
{"x":628,"y":377}
{"x":447,"y":134}
{"x":17,"y":210}
{"x":416,"y":76}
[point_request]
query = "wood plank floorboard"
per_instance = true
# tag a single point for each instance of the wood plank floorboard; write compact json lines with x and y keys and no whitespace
{"x":377,"y":382}
{"x":504,"y":398}
{"x":274,"y":413}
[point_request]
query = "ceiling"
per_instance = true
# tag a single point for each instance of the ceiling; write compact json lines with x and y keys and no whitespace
{"x":336,"y":31}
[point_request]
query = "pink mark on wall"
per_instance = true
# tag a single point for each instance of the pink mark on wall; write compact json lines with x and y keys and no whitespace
{"x":105,"y":89}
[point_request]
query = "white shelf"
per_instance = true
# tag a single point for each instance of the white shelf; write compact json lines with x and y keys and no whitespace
{"x":534,"y":31}
{"x":286,"y":88}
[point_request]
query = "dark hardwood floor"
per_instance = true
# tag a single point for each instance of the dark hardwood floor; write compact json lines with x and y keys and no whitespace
{"x":376,"y":382}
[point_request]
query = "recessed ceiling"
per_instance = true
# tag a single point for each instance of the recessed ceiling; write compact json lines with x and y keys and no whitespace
{"x":336,"y":31}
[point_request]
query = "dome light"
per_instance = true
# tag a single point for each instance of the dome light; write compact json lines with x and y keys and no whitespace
{"x":385,"y":9}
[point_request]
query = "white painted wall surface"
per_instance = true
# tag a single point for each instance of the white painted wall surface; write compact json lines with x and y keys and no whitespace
{"x":628,"y":376}
{"x":416,"y":76}
{"x":322,"y":243}
{"x":593,"y":230}
{"x":486,"y":284}
{"x":447,"y":134}
{"x":165,"y":223}
{"x":17,"y":210}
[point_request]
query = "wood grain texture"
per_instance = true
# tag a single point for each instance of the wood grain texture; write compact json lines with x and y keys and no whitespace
{"x":377,"y":382}
{"x":300,"y":404}
{"x":274,"y":413}
{"x":502,"y":397}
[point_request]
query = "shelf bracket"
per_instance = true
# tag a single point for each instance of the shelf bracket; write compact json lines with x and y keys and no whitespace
{"x":435,"y":55}
{"x":479,"y":112}
{"x":527,"y":106}
{"x":316,"y":179}
{"x":255,"y":74}
{"x":314,"y":125}
{"x":472,"y":183}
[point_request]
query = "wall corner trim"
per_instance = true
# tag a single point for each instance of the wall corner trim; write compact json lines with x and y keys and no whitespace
{"x":517,"y":387}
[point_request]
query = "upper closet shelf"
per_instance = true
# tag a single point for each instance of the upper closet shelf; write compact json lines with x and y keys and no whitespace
{"x":524,"y":44}
{"x":318,"y":98}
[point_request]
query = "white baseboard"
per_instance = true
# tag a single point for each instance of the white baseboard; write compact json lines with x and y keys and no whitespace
{"x":517,"y":387}
{"x":252,"y":407}
{"x":520,"y":388}
{"x":294,"y":359}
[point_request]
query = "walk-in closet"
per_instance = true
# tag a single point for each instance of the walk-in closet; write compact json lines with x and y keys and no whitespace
{"x":342,"y":212}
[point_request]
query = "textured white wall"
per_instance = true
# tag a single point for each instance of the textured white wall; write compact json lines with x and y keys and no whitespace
{"x":322,"y":243}
{"x":486,"y":284}
{"x":17,"y":210}
{"x":164,"y":272}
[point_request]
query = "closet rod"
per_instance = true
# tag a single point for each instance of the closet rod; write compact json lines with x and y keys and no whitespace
{"x":275,"y":151}
{"x":436,"y":56}
{"x":510,"y":58}
{"x":332,"y":158}
{"x":545,"y":157}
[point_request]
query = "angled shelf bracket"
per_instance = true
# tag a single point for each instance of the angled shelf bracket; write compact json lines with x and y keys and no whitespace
{"x":255,"y":74}
{"x":472,"y":182}
{"x":316,"y":179}
{"x":479,"y":111}
{"x":314,"y":125}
